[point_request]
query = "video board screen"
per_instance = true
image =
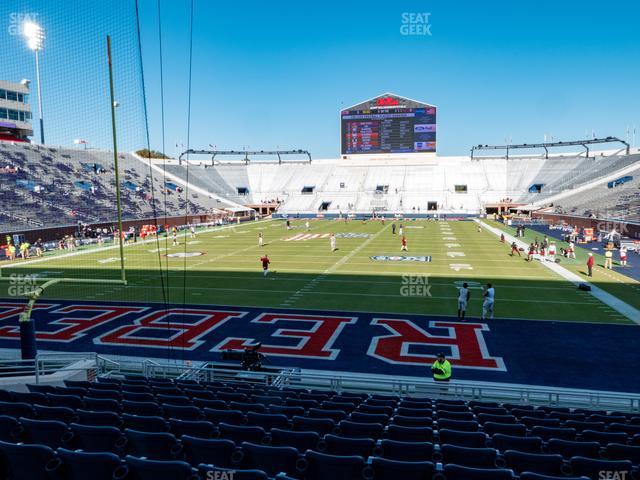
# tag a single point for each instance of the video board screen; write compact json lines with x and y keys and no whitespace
{"x":389,"y":130}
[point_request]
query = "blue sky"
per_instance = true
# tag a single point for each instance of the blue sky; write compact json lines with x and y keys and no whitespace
{"x":275,"y":74}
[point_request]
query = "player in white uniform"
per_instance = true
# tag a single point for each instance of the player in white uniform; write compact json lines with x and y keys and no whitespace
{"x":306,"y":225}
{"x":260,"y":239}
{"x":463,"y":298}
{"x":192,"y":231}
{"x":571,"y":251}
{"x":332,"y":240}
{"x":487,"y":304}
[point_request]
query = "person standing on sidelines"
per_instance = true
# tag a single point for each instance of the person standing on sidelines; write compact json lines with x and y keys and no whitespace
{"x":488,"y":302}
{"x":393,"y":228}
{"x":590,"y":262}
{"x":608,"y":259}
{"x":306,"y":225}
{"x":401,"y":230}
{"x":464,"y":294}
{"x":623,"y":255}
{"x":552,"y":252}
{"x":260,"y":239}
{"x":265,"y":264}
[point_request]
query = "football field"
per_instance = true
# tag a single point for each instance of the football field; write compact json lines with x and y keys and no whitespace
{"x":367,"y":273}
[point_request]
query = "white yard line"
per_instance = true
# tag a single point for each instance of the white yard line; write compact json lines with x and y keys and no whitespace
{"x":612,"y":301}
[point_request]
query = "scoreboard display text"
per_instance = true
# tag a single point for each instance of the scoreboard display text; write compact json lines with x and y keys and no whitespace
{"x":389,"y":130}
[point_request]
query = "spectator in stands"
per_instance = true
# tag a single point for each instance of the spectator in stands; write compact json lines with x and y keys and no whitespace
{"x":590,"y":262}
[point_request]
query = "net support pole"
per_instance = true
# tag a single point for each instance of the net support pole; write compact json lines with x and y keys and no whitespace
{"x":123,"y":276}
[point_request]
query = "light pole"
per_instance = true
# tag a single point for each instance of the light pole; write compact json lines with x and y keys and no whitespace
{"x":34,"y":34}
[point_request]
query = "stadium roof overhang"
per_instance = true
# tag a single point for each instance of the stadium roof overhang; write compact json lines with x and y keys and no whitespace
{"x":388,"y":100}
{"x":546,"y":145}
{"x":244,"y":153}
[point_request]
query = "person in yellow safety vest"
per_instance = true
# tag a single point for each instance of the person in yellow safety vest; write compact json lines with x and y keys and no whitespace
{"x":441,"y":369}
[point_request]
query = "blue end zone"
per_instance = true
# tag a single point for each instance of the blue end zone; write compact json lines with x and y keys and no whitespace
{"x":562,"y":354}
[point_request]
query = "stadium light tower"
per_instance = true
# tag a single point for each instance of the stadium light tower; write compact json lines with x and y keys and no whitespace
{"x":34,"y":34}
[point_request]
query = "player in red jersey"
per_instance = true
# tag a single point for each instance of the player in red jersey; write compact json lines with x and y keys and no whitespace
{"x":404,"y":244}
{"x":265,"y":264}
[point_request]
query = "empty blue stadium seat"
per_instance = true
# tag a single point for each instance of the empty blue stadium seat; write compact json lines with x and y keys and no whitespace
{"x":99,"y":418}
{"x":45,"y":432}
{"x":10,"y":429}
{"x":17,"y":409}
{"x":410,"y":434}
{"x":468,"y":457}
{"x":405,"y":451}
{"x":361,"y":430}
{"x":385,"y":469}
{"x":531,"y":422}
{"x":86,"y":465}
{"x":546,"y":464}
{"x":367,"y":408}
{"x":289,"y":411}
{"x":153,"y":445}
{"x":25,"y":462}
{"x":240,"y":434}
{"x":458,"y":472}
{"x":338,"y":445}
{"x":145,"y":423}
{"x":460,"y":425}
{"x":300,"y":440}
{"x":603,"y":438}
{"x":214,"y":415}
{"x":513,"y":429}
{"x":92,"y":438}
{"x":143,"y":469}
{"x":30,"y":398}
{"x":268,"y":420}
{"x":321,"y":466}
{"x":362,"y":417}
{"x":617,"y":451}
{"x":414,"y":412}
{"x":547,"y":433}
{"x":208,"y":451}
{"x":183,"y":412}
{"x":463,"y":439}
{"x":570,"y":448}
{"x":412,"y":421}
{"x":194,"y":428}
{"x":101,"y":404}
{"x":520,"y":444}
{"x":455,"y":415}
{"x":270,"y":459}
{"x":335,"y":415}
{"x":490,"y":417}
{"x":138,"y":397}
{"x":62,"y":414}
{"x":141,"y":408}
{"x":70,"y":401}
{"x":320,"y":425}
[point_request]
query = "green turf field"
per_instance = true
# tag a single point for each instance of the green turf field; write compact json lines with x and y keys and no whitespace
{"x":307,"y":275}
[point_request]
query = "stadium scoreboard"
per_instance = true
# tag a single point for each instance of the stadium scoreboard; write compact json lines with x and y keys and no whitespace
{"x":388,"y":124}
